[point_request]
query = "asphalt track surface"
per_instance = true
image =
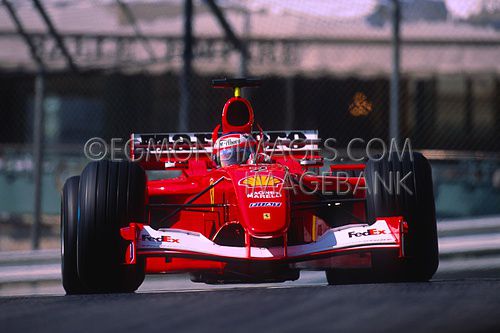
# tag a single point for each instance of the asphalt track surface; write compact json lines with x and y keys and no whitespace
{"x":468,"y":305}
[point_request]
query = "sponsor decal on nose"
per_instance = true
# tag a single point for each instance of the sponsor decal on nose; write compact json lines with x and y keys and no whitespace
{"x":261,"y":181}
{"x":264,"y":194}
{"x":264,"y":204}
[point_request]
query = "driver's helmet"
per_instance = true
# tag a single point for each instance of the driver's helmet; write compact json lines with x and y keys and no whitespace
{"x":235,"y":148}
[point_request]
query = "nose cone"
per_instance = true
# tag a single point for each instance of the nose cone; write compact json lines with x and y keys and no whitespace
{"x":263,"y":203}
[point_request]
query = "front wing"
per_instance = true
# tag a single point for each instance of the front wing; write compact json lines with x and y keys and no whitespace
{"x":385,"y":233}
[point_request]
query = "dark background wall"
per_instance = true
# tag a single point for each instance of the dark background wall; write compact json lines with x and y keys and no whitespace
{"x":81,"y":106}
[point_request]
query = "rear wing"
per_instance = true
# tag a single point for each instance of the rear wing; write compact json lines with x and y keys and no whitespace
{"x":175,"y":150}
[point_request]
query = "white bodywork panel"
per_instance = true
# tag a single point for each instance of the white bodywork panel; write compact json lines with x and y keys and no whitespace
{"x":354,"y":236}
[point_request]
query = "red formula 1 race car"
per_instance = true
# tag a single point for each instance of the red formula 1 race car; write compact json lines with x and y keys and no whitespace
{"x":238,"y":205}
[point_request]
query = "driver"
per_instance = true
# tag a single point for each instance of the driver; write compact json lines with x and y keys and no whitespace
{"x":234,"y":149}
{"x":237,"y":146}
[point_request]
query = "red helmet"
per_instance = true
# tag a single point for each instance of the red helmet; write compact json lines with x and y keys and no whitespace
{"x":234,"y":149}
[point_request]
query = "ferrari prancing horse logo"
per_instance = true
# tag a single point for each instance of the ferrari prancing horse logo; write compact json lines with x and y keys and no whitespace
{"x":266,"y":216}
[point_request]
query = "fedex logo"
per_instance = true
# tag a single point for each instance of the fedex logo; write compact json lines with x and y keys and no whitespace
{"x":166,"y":239}
{"x":369,"y":232}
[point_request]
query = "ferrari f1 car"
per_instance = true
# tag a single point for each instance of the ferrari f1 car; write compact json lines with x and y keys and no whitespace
{"x":245,"y":206}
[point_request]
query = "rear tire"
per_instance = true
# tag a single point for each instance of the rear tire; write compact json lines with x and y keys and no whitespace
{"x":415,"y":202}
{"x":112,"y":194}
{"x":69,"y":223}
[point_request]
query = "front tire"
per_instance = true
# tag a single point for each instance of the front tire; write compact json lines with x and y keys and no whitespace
{"x":112,"y":194}
{"x":69,"y":223}
{"x":412,"y":197}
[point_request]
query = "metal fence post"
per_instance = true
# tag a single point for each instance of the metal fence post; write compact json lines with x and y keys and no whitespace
{"x":38,"y":138}
{"x":289,"y":102}
{"x":395,"y":67}
{"x":185,"y":80}
{"x":243,"y":70}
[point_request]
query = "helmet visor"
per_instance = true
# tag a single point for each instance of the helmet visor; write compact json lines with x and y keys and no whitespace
{"x":235,"y":155}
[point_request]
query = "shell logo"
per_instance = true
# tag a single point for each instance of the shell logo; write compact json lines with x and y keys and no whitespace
{"x":261,"y":181}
